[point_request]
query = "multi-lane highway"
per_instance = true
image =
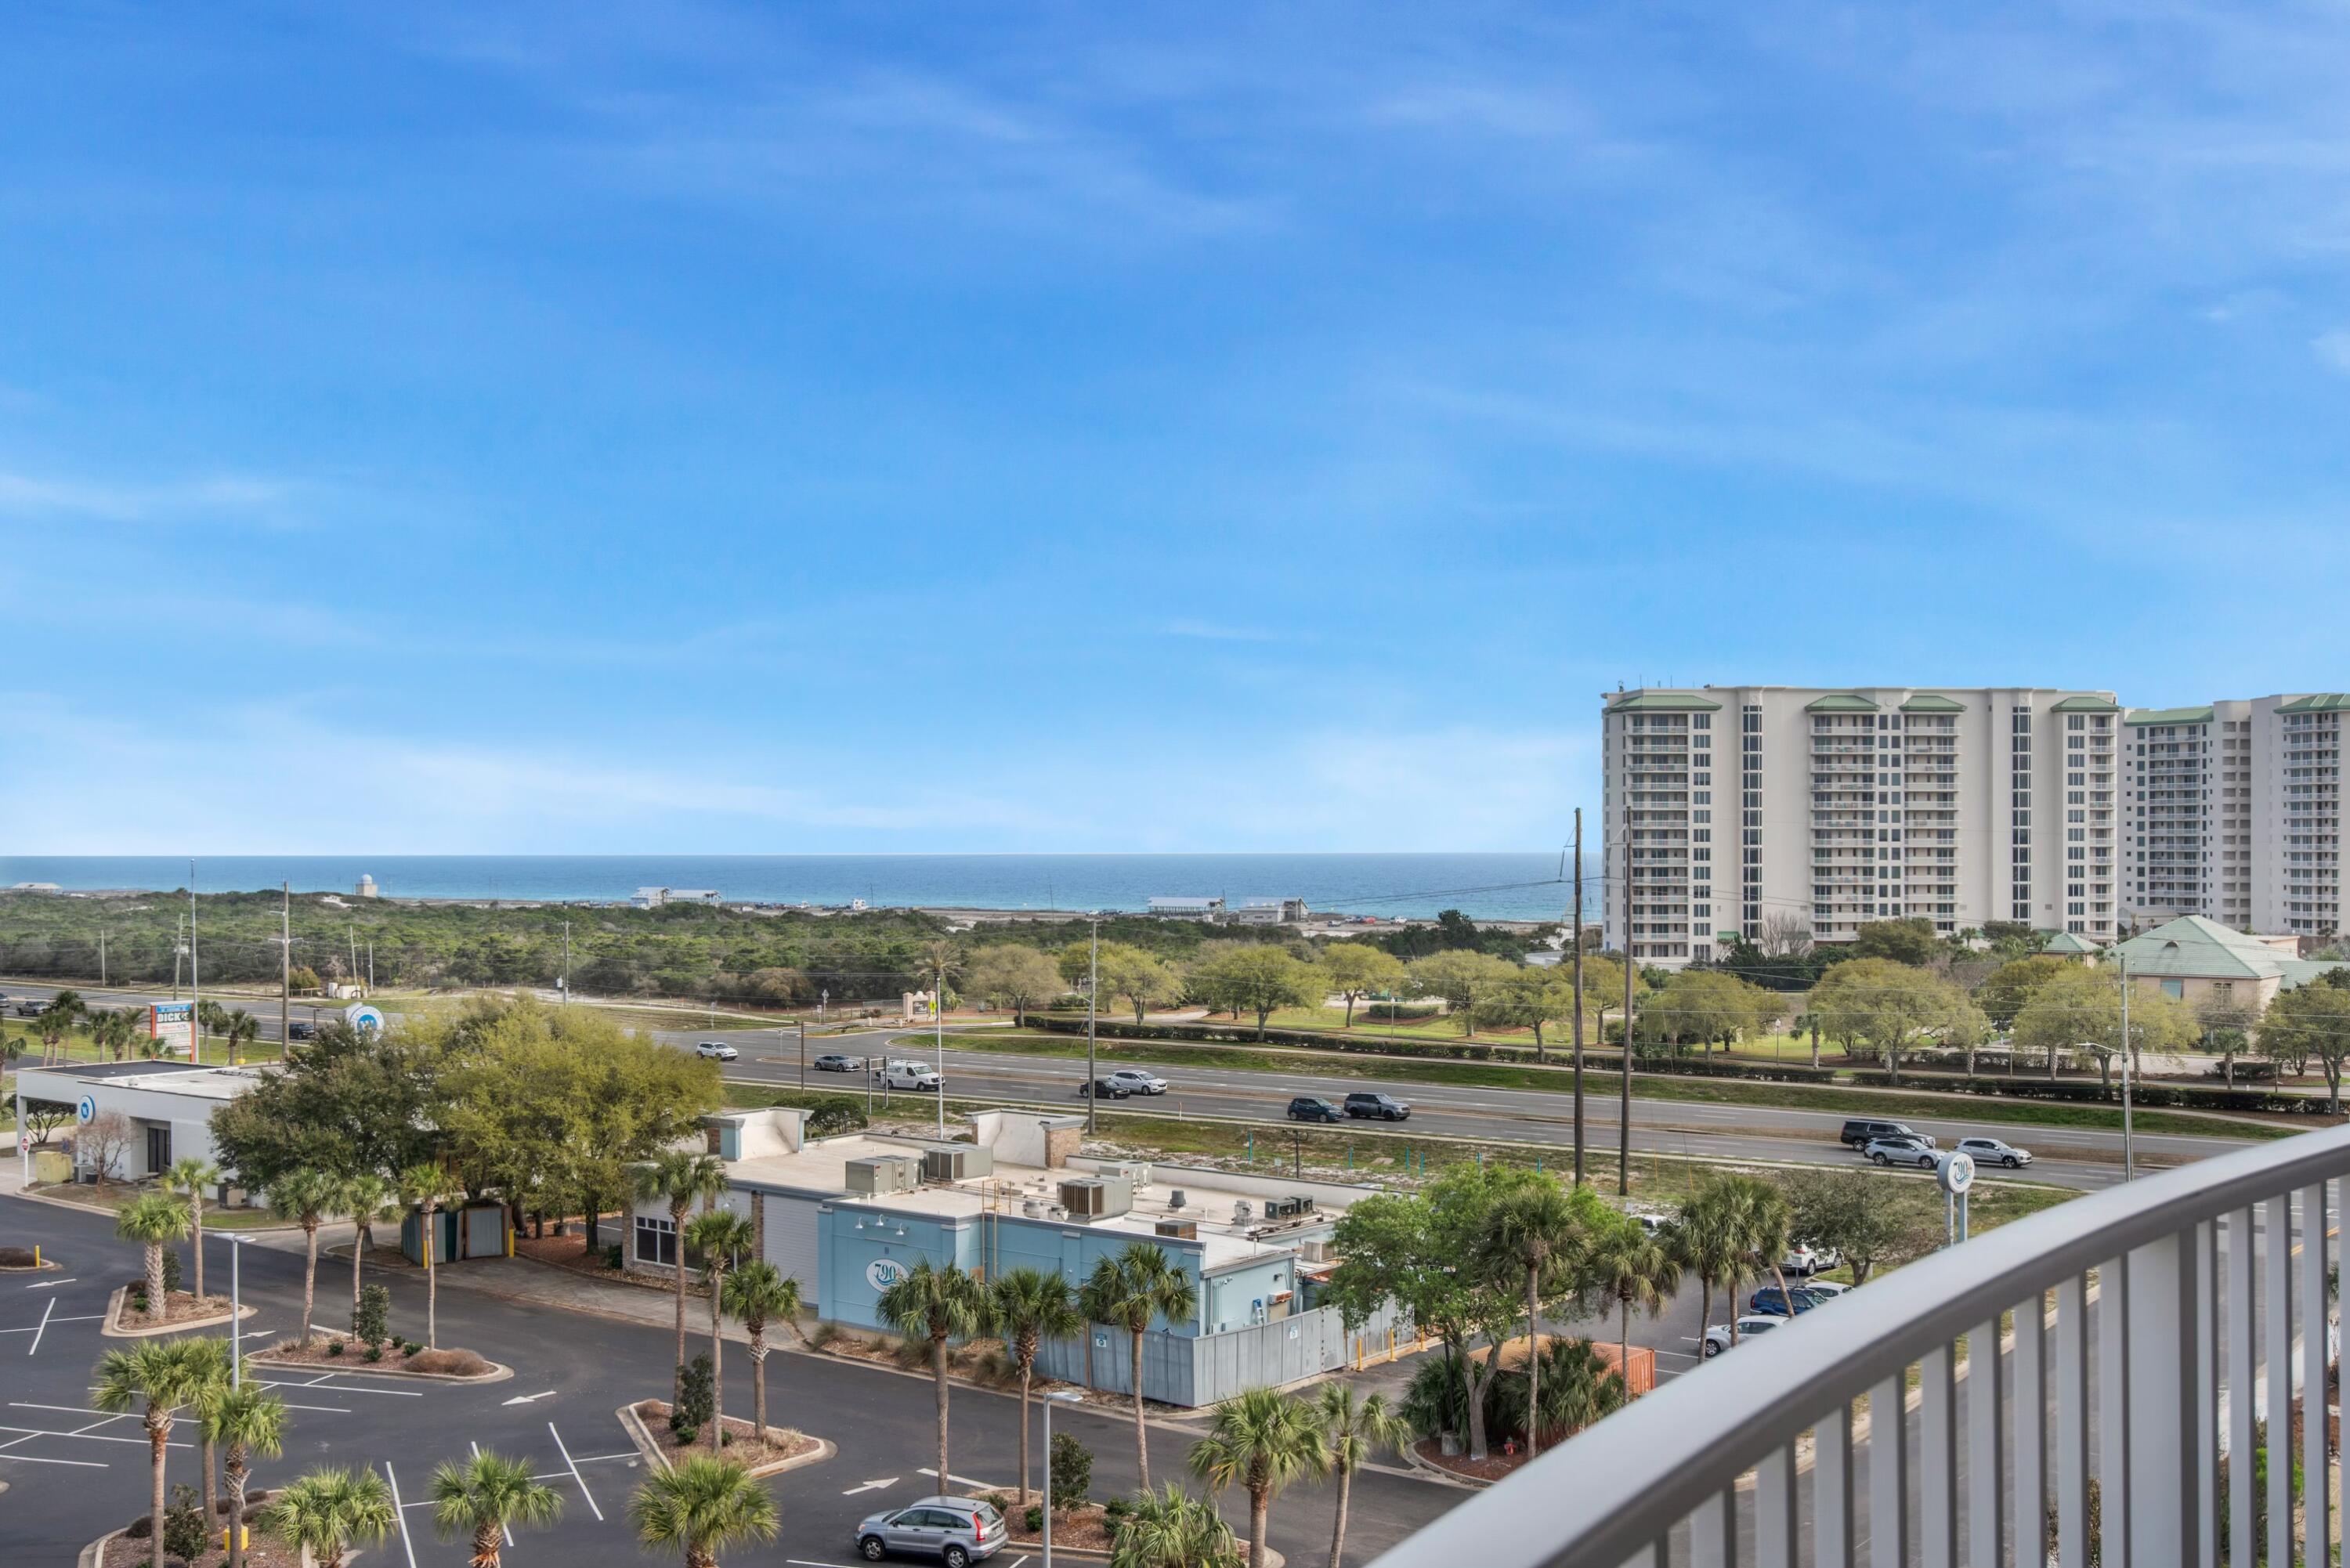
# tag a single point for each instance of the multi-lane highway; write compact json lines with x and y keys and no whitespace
{"x":2071,"y":1157}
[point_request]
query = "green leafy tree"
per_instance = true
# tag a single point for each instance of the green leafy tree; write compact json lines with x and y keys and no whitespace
{"x":1463,"y":979}
{"x":719,"y":1236}
{"x":1172,"y":1528}
{"x":760,"y":1294}
{"x":1910,"y":940}
{"x":155,"y":1222}
{"x":2309,"y":1023}
{"x":1012,"y":975}
{"x":2081,"y":1009}
{"x":350,"y":1101}
{"x":1847,"y":1209}
{"x":1260,"y":1442}
{"x":244,"y":1422}
{"x":329,"y":1511}
{"x":1132,"y":1289}
{"x":1708,"y":1005}
{"x":1891,"y":1008}
{"x":1031,"y":1306}
{"x":1531,"y":997}
{"x":682,"y":1178}
{"x":937,"y":1305}
{"x":156,"y":1379}
{"x":2010,"y":985}
{"x":1358,"y":969}
{"x":485,"y":1497}
{"x":1259,"y":980}
{"x":1353,"y":1432}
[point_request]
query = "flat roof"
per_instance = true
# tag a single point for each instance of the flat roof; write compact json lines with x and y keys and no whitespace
{"x":821,"y":1167}
{"x":203,"y":1083}
{"x":104,"y":1069}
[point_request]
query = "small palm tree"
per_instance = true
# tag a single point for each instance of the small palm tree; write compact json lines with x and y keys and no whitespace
{"x":57,"y":1020}
{"x":154,"y":1221}
{"x":191,"y":1177}
{"x":364,"y":1198}
{"x":428,"y":1186}
{"x":1538,"y":1232}
{"x":680,"y":1177}
{"x":328,"y":1511}
{"x":1633,"y":1270}
{"x":306,"y":1198}
{"x":1031,"y":1306}
{"x":486,"y":1496}
{"x":1260,"y":1441}
{"x":240,"y":1029}
{"x":1172,"y":1528}
{"x":1352,"y":1431}
{"x":213,"y":1366}
{"x":701,"y":1508}
{"x":719,"y":1236}
{"x":243,"y":1421}
{"x":936,"y":1305}
{"x":761,"y":1293}
{"x":1132,"y":1289}
{"x":163,"y":1375}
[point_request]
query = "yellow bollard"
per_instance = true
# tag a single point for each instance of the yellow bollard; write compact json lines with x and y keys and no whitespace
{"x":244,"y":1538}
{"x":36,"y":1255}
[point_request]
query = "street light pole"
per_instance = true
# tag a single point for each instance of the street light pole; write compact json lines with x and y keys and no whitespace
{"x":2129,"y":1148}
{"x":1060,"y":1396}
{"x":195,"y":977}
{"x":938,"y":1028}
{"x":1092,"y":1007}
{"x":237,"y":1310}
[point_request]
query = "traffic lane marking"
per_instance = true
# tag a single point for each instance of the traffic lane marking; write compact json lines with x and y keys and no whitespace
{"x":574,"y":1473}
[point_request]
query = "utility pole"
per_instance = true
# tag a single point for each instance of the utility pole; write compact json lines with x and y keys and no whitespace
{"x":285,"y":971}
{"x":566,"y":961}
{"x":101,"y":956}
{"x":2129,"y":1149}
{"x":178,"y":951}
{"x":351,"y":931}
{"x":195,"y":976}
{"x":1574,"y":936}
{"x":370,"y":966}
{"x":1624,"y":1095}
{"x":938,"y":1026}
{"x":802,"y":1026}
{"x":1093,"y":1004}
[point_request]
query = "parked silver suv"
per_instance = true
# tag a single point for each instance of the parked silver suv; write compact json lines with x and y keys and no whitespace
{"x":961,"y":1529}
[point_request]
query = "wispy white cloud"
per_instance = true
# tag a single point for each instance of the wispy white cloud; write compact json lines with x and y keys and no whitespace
{"x":243,"y":497}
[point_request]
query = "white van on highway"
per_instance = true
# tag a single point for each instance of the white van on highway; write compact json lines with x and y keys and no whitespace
{"x":908,"y":1076}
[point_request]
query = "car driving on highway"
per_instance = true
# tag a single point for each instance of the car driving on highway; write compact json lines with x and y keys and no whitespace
{"x":1900,"y":1151}
{"x":1717,"y":1336}
{"x":1315,"y":1108}
{"x":1106,"y":1088}
{"x":717,"y":1050}
{"x":1991,"y":1151}
{"x":1377,"y":1107}
{"x":1137,"y":1082}
{"x":834,"y":1062}
{"x":1858,"y":1132}
{"x":908,"y":1076}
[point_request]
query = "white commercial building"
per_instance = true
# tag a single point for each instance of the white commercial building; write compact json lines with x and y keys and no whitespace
{"x":2233,"y":811}
{"x":168,"y":1107}
{"x":1727,"y":806}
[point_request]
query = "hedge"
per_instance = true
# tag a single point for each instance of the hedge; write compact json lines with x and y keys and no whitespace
{"x":2087,"y":1090}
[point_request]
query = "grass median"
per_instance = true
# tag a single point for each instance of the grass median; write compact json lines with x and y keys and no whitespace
{"x":1168,"y":1056}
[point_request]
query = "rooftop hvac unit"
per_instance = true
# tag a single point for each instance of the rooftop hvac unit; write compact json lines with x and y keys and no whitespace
{"x":1181,"y":1230}
{"x":1176,"y":1199}
{"x":883,"y":1173}
{"x":950,"y":1162}
{"x":1096,"y":1196}
{"x":1241,"y":1212}
{"x":1136,"y":1171}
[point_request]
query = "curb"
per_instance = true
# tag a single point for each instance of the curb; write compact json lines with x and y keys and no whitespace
{"x":1437,"y":1472}
{"x":498,"y":1373}
{"x":95,"y":1553}
{"x":111,"y":1329}
{"x":46,"y":1266}
{"x":639,"y":1434}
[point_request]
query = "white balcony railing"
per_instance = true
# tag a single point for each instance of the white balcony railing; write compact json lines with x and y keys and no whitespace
{"x":2180,"y":1302}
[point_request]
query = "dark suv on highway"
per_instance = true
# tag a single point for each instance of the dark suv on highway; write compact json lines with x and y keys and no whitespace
{"x":1380,"y":1107}
{"x":1860,"y":1134}
{"x":1314,"y":1108}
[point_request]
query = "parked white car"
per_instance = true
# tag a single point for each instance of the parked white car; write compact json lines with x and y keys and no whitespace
{"x":1801,"y":1259}
{"x":1826,"y":1289}
{"x":1991,"y":1151}
{"x":1717,"y":1336}
{"x":908,"y":1076}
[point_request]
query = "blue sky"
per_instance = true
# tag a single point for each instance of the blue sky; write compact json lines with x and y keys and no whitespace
{"x":630,"y":428}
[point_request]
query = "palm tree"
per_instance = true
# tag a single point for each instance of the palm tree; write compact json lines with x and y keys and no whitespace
{"x":1634,"y":1270}
{"x":240,"y":1029}
{"x":1536,"y":1228}
{"x":306,"y":1198}
{"x":155,"y":1222}
{"x":1578,"y":1387}
{"x":428,"y":1186}
{"x":163,"y":1375}
{"x":485,"y":1495}
{"x":1352,"y":1431}
{"x":1031,"y":1306}
{"x":937,"y":1305}
{"x":1130,"y":1289}
{"x":213,"y":1370}
{"x":325,"y":1512}
{"x":1710,"y":1239}
{"x":243,"y":1421}
{"x":1172,"y":1528}
{"x":1262,"y":1441}
{"x":363,"y":1198}
{"x":701,"y":1508}
{"x":682,"y":1178}
{"x":719,"y":1236}
{"x":1768,"y":1221}
{"x":191,"y":1175}
{"x":110,"y":1032}
{"x":761,"y":1293}
{"x":57,"y":1020}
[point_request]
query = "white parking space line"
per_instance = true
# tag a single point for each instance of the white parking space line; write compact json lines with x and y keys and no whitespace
{"x":607,"y":1459}
{"x":812,"y":1562}
{"x":342,"y":1388}
{"x":52,"y":1284}
{"x":575,"y":1475}
{"x":400,"y":1513}
{"x":324,"y":1410}
{"x":47,"y":1320}
{"x":43,"y":1327}
{"x":983,"y":1486}
{"x":85,"y":1436}
{"x":78,"y":1464}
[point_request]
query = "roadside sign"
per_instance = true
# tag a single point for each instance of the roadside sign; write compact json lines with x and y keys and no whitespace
{"x":86,"y":1109}
{"x":172,"y":1026}
{"x":363,"y":1017}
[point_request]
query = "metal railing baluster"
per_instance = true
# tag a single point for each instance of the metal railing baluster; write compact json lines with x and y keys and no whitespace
{"x":2113,"y":1391}
{"x":2243,"y":1499}
{"x":1938,"y":1459}
{"x":1774,"y":1510}
{"x":2073,"y":1424}
{"x":2028,"y":1446}
{"x":1986,"y":1427}
{"x":1832,"y":1521}
{"x":2316,"y":1508}
{"x":1888,"y":1472}
{"x":2276,"y":1279}
{"x":2207,"y":1394}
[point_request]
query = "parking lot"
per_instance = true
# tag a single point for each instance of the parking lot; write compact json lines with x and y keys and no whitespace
{"x":573,"y":1372}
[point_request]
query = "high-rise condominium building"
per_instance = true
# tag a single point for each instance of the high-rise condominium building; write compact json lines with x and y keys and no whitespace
{"x":2234,"y":811}
{"x":1729,"y":806}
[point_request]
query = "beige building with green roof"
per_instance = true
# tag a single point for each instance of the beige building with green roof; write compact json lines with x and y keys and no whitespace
{"x":1729,"y":806}
{"x":2234,"y":812}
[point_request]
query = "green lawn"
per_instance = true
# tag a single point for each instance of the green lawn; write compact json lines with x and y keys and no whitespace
{"x":1172,"y":1057}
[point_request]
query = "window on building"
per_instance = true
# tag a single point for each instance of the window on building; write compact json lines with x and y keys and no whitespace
{"x":656,"y":1241}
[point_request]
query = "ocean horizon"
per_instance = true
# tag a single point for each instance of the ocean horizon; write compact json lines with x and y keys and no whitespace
{"x":1488,"y":886}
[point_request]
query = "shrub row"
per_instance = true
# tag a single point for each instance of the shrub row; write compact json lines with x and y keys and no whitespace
{"x":2085,"y":1090}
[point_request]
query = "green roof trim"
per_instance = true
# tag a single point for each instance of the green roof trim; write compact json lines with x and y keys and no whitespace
{"x":1840,"y":702}
{"x":1927,"y":702}
{"x":2064,"y":943}
{"x":1664,"y":702}
{"x":2323,"y":702}
{"x":2169,"y":716}
{"x":2192,"y":947}
{"x":2086,"y":705}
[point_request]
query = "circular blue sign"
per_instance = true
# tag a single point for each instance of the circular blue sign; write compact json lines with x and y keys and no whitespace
{"x":86,"y":1109}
